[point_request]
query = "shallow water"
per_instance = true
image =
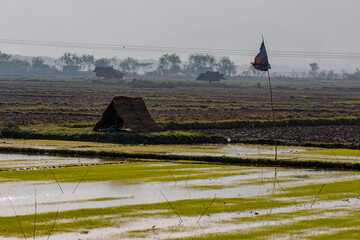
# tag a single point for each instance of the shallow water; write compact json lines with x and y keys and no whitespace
{"x":262,"y":151}
{"x":50,"y":196}
{"x":21,"y":160}
{"x":244,"y":182}
{"x":233,"y":150}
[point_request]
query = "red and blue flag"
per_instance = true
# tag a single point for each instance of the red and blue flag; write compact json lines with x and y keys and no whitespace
{"x":261,"y":60}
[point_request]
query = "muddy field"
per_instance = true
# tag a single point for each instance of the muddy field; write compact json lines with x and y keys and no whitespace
{"x":80,"y":100}
{"x":34,"y":101}
{"x":347,"y":134}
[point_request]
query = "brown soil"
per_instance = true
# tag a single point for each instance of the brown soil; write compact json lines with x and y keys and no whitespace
{"x":346,"y":134}
{"x":35,"y":101}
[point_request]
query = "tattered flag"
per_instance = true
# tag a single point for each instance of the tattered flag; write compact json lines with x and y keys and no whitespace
{"x":261,"y":60}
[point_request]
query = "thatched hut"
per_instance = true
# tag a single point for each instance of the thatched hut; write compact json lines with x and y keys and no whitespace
{"x":108,"y":73}
{"x":126,"y":113}
{"x":211,"y":76}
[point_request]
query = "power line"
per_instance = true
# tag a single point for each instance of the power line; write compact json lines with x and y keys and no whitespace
{"x":166,"y":49}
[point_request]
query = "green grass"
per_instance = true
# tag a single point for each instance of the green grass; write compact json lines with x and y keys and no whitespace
{"x":330,"y":192}
{"x":53,"y":143}
{"x":350,"y":102}
{"x":335,"y":152}
{"x":62,"y":132}
{"x":87,"y":219}
{"x":132,"y":173}
{"x":9,"y":226}
{"x":89,"y":200}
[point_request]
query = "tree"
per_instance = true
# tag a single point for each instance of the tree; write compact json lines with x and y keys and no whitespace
{"x":38,"y":64}
{"x":20,"y":65}
{"x":4,"y":57}
{"x":355,"y":75}
{"x":252,"y":70}
{"x":313,"y":69}
{"x":37,"y":61}
{"x":169,"y":64}
{"x":86,"y":62}
{"x":175,"y":62}
{"x":332,"y":75}
{"x":199,"y":63}
{"x":322,"y":74}
{"x":103,"y":62}
{"x":145,"y":67}
{"x":163,"y":65}
{"x":70,"y":59}
{"x":129,"y":65}
{"x":343,"y":74}
{"x":15,"y":66}
{"x":115,"y":62}
{"x":245,"y":73}
{"x":226,"y":66}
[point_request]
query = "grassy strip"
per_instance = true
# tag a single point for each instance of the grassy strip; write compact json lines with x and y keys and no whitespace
{"x":122,"y":174}
{"x":82,"y":132}
{"x":123,"y":138}
{"x":304,"y":144}
{"x":332,"y":191}
{"x":210,"y":159}
{"x":172,"y":125}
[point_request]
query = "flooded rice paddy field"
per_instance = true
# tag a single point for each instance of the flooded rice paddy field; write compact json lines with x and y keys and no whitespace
{"x":231,"y":150}
{"x":177,"y":200}
{"x":20,"y":161}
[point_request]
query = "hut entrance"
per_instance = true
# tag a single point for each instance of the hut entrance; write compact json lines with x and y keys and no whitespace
{"x":119,"y":122}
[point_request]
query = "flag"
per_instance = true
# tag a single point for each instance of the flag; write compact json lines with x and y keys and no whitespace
{"x":261,"y":60}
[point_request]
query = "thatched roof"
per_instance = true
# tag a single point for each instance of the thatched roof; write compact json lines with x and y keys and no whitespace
{"x":126,"y":113}
{"x":211,"y":76}
{"x":108,"y":72}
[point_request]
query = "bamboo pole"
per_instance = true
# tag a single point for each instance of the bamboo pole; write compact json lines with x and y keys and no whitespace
{"x":273,"y":115}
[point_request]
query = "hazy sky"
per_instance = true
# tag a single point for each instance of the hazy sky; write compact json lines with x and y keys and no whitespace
{"x":288,"y":25}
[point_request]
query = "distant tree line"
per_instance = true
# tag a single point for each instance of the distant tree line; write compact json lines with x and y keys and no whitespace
{"x":169,"y":65}
{"x":11,"y":65}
